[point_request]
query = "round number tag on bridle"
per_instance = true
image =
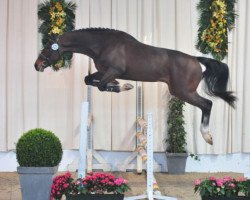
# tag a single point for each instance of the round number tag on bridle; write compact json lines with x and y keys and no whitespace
{"x":55,"y":46}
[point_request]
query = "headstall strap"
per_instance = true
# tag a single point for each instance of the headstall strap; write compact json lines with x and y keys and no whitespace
{"x":55,"y":45}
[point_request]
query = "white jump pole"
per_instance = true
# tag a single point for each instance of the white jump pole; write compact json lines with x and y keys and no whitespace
{"x":150,"y":160}
{"x":139,"y":113}
{"x":83,"y":139}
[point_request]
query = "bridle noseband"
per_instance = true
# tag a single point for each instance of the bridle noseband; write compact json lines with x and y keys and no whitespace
{"x":46,"y":59}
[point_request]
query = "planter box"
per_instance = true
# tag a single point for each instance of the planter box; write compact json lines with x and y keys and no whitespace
{"x":95,"y":197}
{"x":36,"y":182}
{"x":225,"y":198}
{"x":176,"y":162}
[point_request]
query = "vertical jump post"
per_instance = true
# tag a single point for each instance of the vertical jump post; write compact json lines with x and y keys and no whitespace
{"x":150,"y":160}
{"x":87,"y":153}
{"x":150,"y":166}
{"x":83,"y":139}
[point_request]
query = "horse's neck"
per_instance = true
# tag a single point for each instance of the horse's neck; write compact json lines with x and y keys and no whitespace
{"x":81,"y":42}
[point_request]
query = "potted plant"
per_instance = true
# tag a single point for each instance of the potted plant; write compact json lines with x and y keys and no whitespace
{"x":38,"y":153}
{"x":226,"y":188}
{"x":176,"y":141}
{"x":98,"y":186}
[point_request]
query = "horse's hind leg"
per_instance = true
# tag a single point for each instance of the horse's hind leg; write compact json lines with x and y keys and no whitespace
{"x":205,"y":105}
{"x":204,"y":128}
{"x":183,"y":84}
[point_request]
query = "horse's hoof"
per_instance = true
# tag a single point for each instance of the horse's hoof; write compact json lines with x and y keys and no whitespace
{"x":208,"y":138}
{"x":127,"y":86}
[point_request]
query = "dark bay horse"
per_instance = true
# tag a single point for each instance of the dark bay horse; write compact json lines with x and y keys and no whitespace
{"x":118,"y":55}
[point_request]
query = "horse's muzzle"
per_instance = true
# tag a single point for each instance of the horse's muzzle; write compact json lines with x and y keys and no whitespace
{"x":39,"y":67}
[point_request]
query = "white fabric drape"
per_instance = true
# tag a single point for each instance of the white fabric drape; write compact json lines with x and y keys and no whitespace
{"x":18,"y":88}
{"x":51,"y":100}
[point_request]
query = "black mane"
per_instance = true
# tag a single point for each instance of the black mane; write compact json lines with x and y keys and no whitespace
{"x":98,"y":29}
{"x":103,"y":30}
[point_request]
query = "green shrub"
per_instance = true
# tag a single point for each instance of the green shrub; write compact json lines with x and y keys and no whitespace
{"x":176,"y":141}
{"x":38,"y":148}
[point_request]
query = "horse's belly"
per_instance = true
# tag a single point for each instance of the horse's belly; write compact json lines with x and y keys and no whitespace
{"x":138,"y":78}
{"x":143,"y":75}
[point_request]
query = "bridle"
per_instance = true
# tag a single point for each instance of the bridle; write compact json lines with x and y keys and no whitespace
{"x":48,"y":61}
{"x":53,"y":47}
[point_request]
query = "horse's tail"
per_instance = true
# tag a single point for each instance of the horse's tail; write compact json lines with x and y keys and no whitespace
{"x":216,"y":79}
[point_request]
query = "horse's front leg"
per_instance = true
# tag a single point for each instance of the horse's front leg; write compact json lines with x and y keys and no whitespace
{"x":108,"y":82}
{"x":93,"y":79}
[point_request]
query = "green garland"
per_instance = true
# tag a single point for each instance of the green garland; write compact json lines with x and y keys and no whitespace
{"x":57,"y":17}
{"x":217,"y":17}
{"x":176,"y":141}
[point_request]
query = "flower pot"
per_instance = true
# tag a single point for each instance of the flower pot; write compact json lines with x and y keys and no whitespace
{"x":226,"y":198}
{"x":95,"y":197}
{"x":176,"y":162}
{"x":36,"y":182}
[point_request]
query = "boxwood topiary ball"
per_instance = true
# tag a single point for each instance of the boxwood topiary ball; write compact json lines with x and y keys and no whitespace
{"x":38,"y":148}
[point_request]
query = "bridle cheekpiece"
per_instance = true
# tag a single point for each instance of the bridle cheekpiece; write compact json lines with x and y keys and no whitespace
{"x":54,"y":47}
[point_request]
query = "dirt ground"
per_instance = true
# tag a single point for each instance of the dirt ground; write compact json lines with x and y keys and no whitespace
{"x":178,"y":186}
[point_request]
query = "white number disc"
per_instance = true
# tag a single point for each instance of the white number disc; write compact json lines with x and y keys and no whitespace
{"x":55,"y":46}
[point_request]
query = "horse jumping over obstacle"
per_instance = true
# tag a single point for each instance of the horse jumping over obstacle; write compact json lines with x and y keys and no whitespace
{"x":118,"y":55}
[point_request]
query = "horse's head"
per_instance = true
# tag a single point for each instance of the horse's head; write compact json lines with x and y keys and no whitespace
{"x":49,"y":55}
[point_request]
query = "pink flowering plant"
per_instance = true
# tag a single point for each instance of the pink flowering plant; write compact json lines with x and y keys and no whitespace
{"x":93,"y":183}
{"x":61,"y":185}
{"x":222,"y":187}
